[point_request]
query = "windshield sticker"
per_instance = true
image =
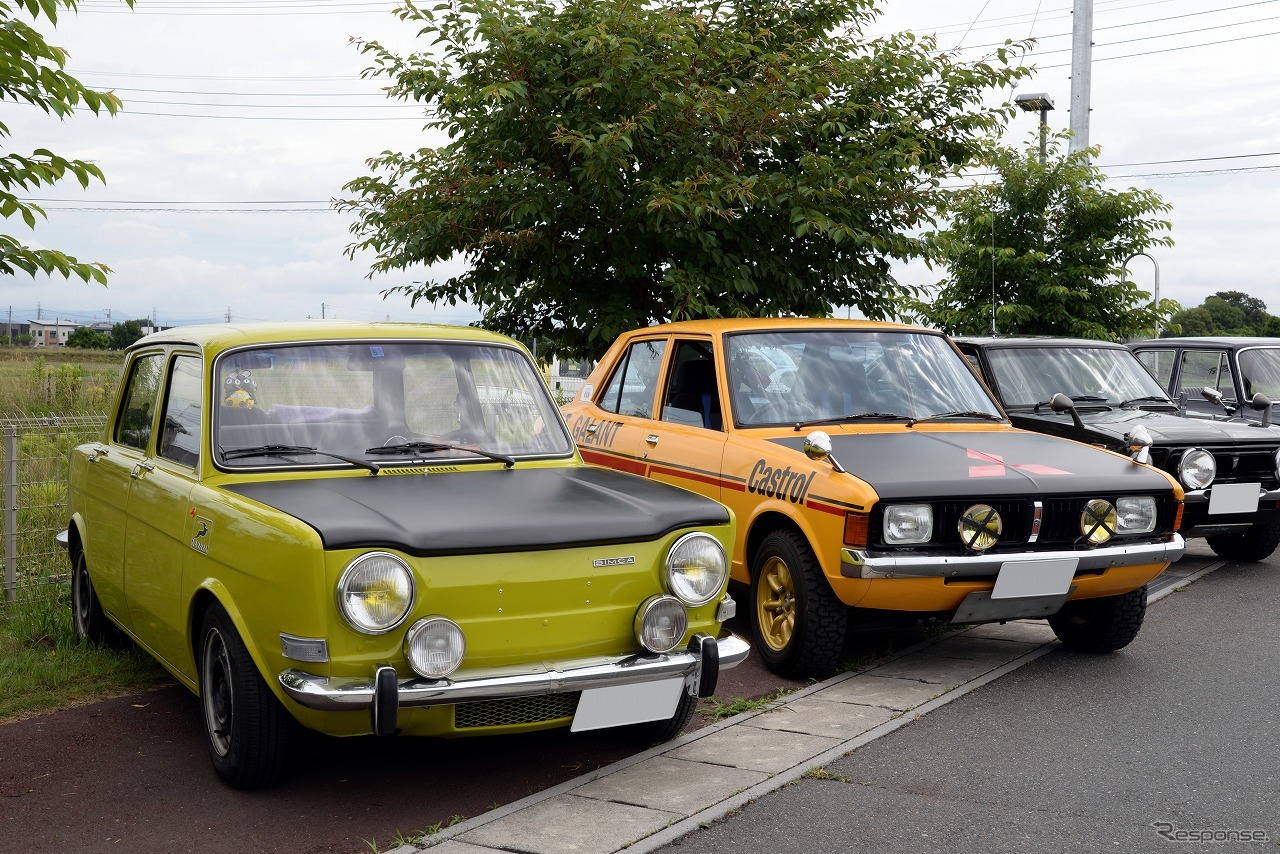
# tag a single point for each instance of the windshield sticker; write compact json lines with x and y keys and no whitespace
{"x":996,"y":466}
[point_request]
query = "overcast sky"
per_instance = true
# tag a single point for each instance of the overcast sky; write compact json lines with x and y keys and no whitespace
{"x":244,"y":118}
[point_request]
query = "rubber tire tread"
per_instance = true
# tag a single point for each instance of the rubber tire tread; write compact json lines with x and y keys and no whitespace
{"x":260,"y":726}
{"x":822,"y":620}
{"x":658,"y":732}
{"x":98,"y":628}
{"x":1101,"y":625}
{"x":1249,"y":546}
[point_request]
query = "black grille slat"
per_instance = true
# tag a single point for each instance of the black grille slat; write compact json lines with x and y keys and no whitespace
{"x":516,"y":711}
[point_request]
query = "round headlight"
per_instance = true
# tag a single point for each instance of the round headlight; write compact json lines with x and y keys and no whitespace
{"x":1098,"y":521}
{"x":661,"y":623}
{"x":375,"y":592}
{"x":434,"y":647}
{"x":980,"y":527}
{"x":696,"y":569}
{"x":1197,"y":468}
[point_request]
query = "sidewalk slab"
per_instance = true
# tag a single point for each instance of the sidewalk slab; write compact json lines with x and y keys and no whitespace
{"x":814,"y":716}
{"x":568,"y":824}
{"x":754,"y":749}
{"x":868,"y":690}
{"x":673,"y":785}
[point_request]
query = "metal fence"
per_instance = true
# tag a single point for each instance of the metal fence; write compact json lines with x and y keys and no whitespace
{"x":35,"y":496}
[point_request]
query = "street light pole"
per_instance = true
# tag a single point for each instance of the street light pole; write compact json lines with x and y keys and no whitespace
{"x":1042,"y":102}
{"x":1155,"y":302}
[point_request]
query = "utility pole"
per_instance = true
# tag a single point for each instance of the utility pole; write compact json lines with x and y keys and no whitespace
{"x":8,"y":327}
{"x":1081,"y":65}
{"x":322,"y":317}
{"x":228,"y":314}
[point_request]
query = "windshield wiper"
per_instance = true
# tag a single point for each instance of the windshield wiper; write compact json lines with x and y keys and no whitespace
{"x":1077,"y":398}
{"x":1150,"y":397}
{"x":861,"y":416}
{"x":428,"y":447}
{"x":965,"y":413}
{"x":291,"y":451}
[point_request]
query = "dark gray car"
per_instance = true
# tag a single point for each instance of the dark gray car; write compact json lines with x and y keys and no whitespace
{"x":1230,"y":469}
{"x":1234,"y":370}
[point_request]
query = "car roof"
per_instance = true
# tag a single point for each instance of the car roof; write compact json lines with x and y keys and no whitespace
{"x":1207,"y":341}
{"x":720,"y":326}
{"x":1034,"y":341}
{"x":216,"y":337}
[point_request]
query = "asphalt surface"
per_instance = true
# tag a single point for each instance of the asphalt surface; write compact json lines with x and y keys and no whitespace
{"x":1167,"y":746}
{"x":133,"y":774}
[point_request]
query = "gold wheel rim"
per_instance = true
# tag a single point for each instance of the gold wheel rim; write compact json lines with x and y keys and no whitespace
{"x":776,"y":604}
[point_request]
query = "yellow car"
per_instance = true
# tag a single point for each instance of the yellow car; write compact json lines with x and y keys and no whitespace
{"x":870,"y":469}
{"x":385,"y":528}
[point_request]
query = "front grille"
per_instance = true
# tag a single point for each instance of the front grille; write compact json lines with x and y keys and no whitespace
{"x":1059,"y":524}
{"x":515,"y":711}
{"x":1235,"y":465}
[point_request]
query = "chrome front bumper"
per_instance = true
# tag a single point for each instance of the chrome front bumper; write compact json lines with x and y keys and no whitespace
{"x":856,"y":563}
{"x":1201,"y":496}
{"x":349,"y":694}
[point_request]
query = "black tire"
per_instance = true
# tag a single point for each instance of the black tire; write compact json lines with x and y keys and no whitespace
{"x":91,"y":624}
{"x":246,"y":726}
{"x":797,"y":623}
{"x":657,"y":732}
{"x":1250,"y":546}
{"x":1101,"y":625}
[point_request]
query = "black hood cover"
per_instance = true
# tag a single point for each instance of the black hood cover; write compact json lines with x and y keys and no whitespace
{"x":1003,"y":463}
{"x":470,"y":512}
{"x":1166,"y":429}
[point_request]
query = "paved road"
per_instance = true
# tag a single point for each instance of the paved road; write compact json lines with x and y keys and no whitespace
{"x":1177,"y":734}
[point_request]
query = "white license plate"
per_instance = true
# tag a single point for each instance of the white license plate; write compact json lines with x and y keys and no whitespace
{"x":1021,"y":578}
{"x":1234,"y":498}
{"x":619,"y":705}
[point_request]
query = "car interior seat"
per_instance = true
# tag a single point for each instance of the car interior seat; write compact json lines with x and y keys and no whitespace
{"x":693,"y":388}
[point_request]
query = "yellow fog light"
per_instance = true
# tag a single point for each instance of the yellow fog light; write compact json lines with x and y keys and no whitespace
{"x":980,"y":527}
{"x":1098,"y":521}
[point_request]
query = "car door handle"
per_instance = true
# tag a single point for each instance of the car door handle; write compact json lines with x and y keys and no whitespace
{"x":140,"y":469}
{"x":591,"y":428}
{"x":99,"y":451}
{"x":652,"y":438}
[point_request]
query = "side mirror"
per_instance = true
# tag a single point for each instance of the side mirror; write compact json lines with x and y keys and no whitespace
{"x":1215,"y":397}
{"x":1061,"y":403}
{"x":1139,"y":443}
{"x":817,"y":446}
{"x":1262,"y":403}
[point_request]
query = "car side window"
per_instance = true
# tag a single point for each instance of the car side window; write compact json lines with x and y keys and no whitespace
{"x":1159,"y":363}
{"x":692,"y":394}
{"x":1207,"y":368}
{"x":180,"y":431}
{"x":631,"y":389}
{"x":134,"y":425}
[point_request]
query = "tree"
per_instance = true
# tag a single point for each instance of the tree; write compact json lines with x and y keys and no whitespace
{"x":31,"y":71}
{"x":1060,"y":241}
{"x":88,"y":339}
{"x":614,"y":164}
{"x":124,"y":334}
{"x":1225,"y":313}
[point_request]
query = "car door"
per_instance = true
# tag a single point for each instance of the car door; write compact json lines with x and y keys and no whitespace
{"x":612,"y":431}
{"x":1206,"y":368}
{"x":109,"y":478}
{"x":684,"y":445}
{"x":162,"y":526}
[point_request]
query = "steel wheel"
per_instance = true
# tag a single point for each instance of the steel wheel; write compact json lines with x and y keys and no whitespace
{"x":87,"y":617}
{"x":218,"y":692}
{"x":776,"y":603}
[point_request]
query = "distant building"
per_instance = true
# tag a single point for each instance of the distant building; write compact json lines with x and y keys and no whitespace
{"x":52,"y":333}
{"x":13,"y":330}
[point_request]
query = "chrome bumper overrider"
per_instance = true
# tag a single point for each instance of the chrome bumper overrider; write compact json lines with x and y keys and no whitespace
{"x":855,"y":563}
{"x":357,"y":693}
